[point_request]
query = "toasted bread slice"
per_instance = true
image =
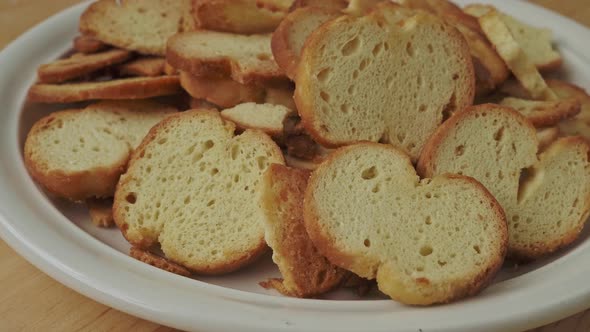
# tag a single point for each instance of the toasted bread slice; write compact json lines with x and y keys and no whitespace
{"x":367,"y":211}
{"x":144,"y":66}
{"x":280,"y":96}
{"x":79,"y":65}
{"x":288,"y":39}
{"x":202,"y":104}
{"x":535,"y":42}
{"x":246,"y":59}
{"x":137,"y":25}
{"x":361,"y":7}
{"x":264,"y":117}
{"x":513,"y":55}
{"x":157,"y":261}
{"x":546,"y":136}
{"x":87,"y":44}
{"x":80,"y":154}
{"x":126,"y":88}
{"x":547,"y":205}
{"x":300,"y":163}
{"x":238,"y":16}
{"x":580,"y":124}
{"x":224,"y":92}
{"x":305,"y":272}
{"x":544,"y":113}
{"x":101,"y":212}
{"x":352,"y":70}
{"x":190,"y":186}
{"x":326,"y":4}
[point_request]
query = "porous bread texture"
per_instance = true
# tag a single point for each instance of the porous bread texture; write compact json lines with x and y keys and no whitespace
{"x":305,"y":272}
{"x":264,"y":117}
{"x":192,"y":187}
{"x":138,"y":25}
{"x":101,"y":212}
{"x":580,"y":124}
{"x":535,"y":42}
{"x":246,"y":59}
{"x":80,"y":154}
{"x":546,"y":136}
{"x":239,"y":16}
{"x":390,"y":76}
{"x":514,"y":56}
{"x":87,"y":44}
{"x":143,"y":66}
{"x":80,"y":65}
{"x":425,"y":241}
{"x":290,"y":36}
{"x":544,"y":113}
{"x":221,"y":91}
{"x":124,"y":88}
{"x":546,"y":200}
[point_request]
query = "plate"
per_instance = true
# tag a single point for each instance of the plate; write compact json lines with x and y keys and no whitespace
{"x":58,"y":238}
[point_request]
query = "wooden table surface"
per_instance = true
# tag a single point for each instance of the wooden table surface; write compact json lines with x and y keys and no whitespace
{"x":31,"y":301}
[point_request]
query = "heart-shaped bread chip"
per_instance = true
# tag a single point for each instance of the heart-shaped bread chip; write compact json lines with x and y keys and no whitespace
{"x":546,"y":198}
{"x":425,"y":241}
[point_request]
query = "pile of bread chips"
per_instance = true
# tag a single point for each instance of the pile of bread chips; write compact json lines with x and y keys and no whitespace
{"x":414,"y":143}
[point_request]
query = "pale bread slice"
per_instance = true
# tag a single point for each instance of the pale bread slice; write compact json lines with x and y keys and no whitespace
{"x":360,"y":81}
{"x":125,"y":88}
{"x":546,"y":136}
{"x":305,"y":272}
{"x":264,"y":117}
{"x":580,"y":124}
{"x":137,"y":25}
{"x":80,"y":154}
{"x":158,"y":262}
{"x":289,"y":37}
{"x":79,"y":65}
{"x":87,"y":44}
{"x":544,"y":113}
{"x":246,"y":59}
{"x":143,"y":66}
{"x":535,"y":42}
{"x":191,"y":186}
{"x":239,"y":16}
{"x":101,"y":212}
{"x":221,"y":91}
{"x":513,"y":55}
{"x":425,"y":241}
{"x":546,"y":200}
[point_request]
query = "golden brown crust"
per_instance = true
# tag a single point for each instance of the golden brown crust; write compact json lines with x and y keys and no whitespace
{"x":144,"y":66}
{"x":157,"y":261}
{"x":127,"y":88}
{"x":224,"y":92}
{"x":88,"y":44}
{"x":80,"y":65}
{"x":101,"y":212}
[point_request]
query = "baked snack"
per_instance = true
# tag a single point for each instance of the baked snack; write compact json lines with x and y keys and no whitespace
{"x":221,"y":91}
{"x":157,"y":261}
{"x":360,"y":7}
{"x":136,"y":25}
{"x":202,"y":104}
{"x":425,"y":241}
{"x":101,"y":212}
{"x":190,"y":186}
{"x":87,"y":44}
{"x":358,"y":80}
{"x":580,"y":124}
{"x":289,"y":37}
{"x":327,"y":4}
{"x":546,"y":136}
{"x":124,"y":88}
{"x":264,"y":117}
{"x":80,"y":154}
{"x":143,"y":66}
{"x":546,"y":200}
{"x":79,"y":65}
{"x":239,"y":16}
{"x":305,"y":272}
{"x":246,"y":59}
{"x":280,"y":96}
{"x":544,"y":113}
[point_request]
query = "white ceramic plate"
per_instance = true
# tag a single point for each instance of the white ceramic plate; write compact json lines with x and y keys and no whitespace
{"x":59,"y":239}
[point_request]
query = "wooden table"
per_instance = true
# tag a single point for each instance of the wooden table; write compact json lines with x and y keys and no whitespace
{"x":31,"y":301}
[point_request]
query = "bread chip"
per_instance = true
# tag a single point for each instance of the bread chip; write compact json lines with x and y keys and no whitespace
{"x":280,"y":96}
{"x":395,"y":88}
{"x":79,"y":65}
{"x":367,"y":211}
{"x":159,"y":262}
{"x":138,"y":25}
{"x":238,"y":16}
{"x":300,"y":163}
{"x":191,"y":186}
{"x":305,"y":272}
{"x":224,"y":92}
{"x":202,"y":104}
{"x":546,"y":136}
{"x":101,"y":212}
{"x":264,"y":117}
{"x":126,"y":88}
{"x":246,"y":59}
{"x":327,"y":4}
{"x":80,"y":154}
{"x":144,"y":66}
{"x":513,"y":55}
{"x":547,"y":204}
{"x":544,"y":113}
{"x":580,"y":124}
{"x":361,"y":7}
{"x":87,"y":44}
